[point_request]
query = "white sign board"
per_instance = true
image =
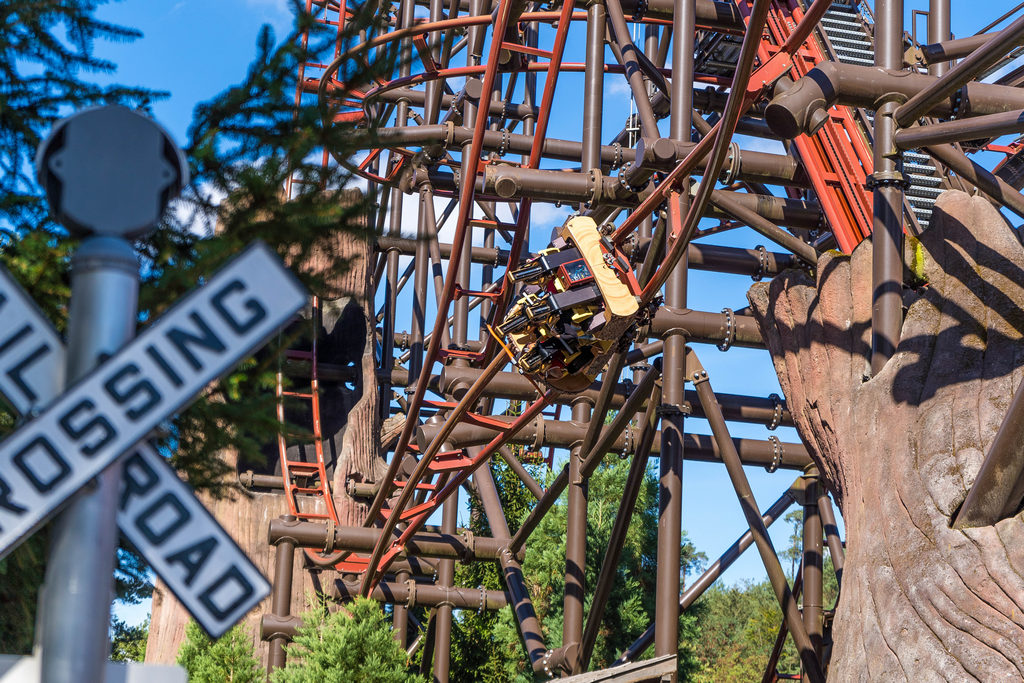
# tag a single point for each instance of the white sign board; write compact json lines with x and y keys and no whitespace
{"x":31,"y":371}
{"x":31,"y":353}
{"x":114,"y":407}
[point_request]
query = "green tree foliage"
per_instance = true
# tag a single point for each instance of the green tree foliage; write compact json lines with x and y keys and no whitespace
{"x":243,"y":146}
{"x":486,"y":647}
{"x":229,"y":659}
{"x":354,"y":643}
{"x":128,"y":643}
{"x":738,"y":629}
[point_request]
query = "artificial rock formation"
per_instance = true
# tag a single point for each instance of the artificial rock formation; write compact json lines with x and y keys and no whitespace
{"x":920,"y":601}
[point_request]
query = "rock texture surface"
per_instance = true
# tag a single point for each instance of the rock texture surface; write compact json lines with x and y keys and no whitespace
{"x":920,"y":601}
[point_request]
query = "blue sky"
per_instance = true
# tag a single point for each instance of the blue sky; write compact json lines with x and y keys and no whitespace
{"x":197,"y":48}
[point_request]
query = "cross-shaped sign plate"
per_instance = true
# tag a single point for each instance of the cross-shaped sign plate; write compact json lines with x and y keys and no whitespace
{"x":114,"y":408}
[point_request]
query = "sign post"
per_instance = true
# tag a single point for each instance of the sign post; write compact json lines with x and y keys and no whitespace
{"x":108,"y":173}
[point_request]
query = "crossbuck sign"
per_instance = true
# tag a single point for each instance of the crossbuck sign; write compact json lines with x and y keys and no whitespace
{"x":111,"y":411}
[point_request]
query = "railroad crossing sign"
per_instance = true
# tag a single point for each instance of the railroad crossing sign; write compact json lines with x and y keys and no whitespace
{"x":114,"y":408}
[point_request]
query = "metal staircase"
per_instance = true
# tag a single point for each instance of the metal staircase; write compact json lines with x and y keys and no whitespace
{"x":848,"y":33}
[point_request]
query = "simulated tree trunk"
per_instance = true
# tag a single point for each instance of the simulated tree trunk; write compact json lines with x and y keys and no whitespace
{"x":351,"y":430}
{"x":920,"y":601}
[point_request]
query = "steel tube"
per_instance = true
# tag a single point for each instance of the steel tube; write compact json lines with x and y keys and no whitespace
{"x":407,"y":594}
{"x":748,"y":503}
{"x":630,"y":62}
{"x":699,"y":447}
{"x":443,"y":618}
{"x":812,"y":564}
{"x":733,"y":260}
{"x":978,"y":61}
{"x":575,"y":542}
{"x":938,"y":34}
{"x":513,"y":462}
{"x":996,"y":188}
{"x":593,"y":87}
{"x":610,"y":563}
{"x":74,"y":607}
{"x":988,"y":126}
{"x":800,"y":108}
{"x":281,"y":598}
{"x":998,"y":489}
{"x":463,"y":547}
{"x":887,"y":199}
{"x":773,"y":232}
{"x":835,"y":543}
{"x":518,"y":594}
{"x":940,"y":52}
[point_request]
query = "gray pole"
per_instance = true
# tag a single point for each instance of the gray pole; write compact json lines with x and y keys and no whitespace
{"x":78,"y":590}
{"x":108,"y":173}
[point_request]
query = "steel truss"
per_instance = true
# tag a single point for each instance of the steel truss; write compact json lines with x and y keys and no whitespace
{"x":465,"y":121}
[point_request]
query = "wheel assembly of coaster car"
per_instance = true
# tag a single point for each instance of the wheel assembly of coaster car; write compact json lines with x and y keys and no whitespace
{"x":577,"y":306}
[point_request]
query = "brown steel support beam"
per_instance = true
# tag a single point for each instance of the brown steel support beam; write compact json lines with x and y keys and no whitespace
{"x":812,"y":565}
{"x":771,"y":669}
{"x":575,"y":542}
{"x":994,"y":49}
{"x":717,"y":568}
{"x":408,"y":594}
{"x":998,"y":490}
{"x":519,"y":596}
{"x":445,"y":578}
{"x":757,"y":263}
{"x":835,"y":543}
{"x":887,"y":199}
{"x":959,"y":130}
{"x":996,"y":188}
{"x":748,"y":504}
{"x":698,"y":447}
{"x":463,"y":547}
{"x":281,"y":598}
{"x":938,"y":33}
{"x":804,"y":107}
{"x":609,"y":566}
{"x":630,"y":62}
{"x":726,"y":201}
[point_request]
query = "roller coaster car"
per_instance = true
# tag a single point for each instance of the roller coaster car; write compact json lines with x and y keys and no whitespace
{"x":577,"y":306}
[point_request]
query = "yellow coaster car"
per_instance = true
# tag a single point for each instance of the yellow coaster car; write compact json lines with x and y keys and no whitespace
{"x":577,"y":306}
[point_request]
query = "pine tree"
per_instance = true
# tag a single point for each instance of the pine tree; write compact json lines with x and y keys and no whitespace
{"x":243,"y":146}
{"x":354,"y":643}
{"x":128,"y":643}
{"x":230,"y":659}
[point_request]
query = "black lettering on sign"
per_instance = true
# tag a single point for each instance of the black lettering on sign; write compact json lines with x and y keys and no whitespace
{"x":230,"y":584}
{"x":123,"y":394}
{"x":157,"y":513}
{"x":43,"y":472}
{"x":81,"y":431}
{"x":18,"y":335}
{"x":5,"y":499}
{"x":183,"y":338}
{"x":15,"y":372}
{"x":168,"y":371}
{"x":193,"y":557}
{"x":252,"y":307}
{"x":137,"y":479}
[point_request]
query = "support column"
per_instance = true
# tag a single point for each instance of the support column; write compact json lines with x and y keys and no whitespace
{"x":812,"y":565}
{"x":887,"y":182}
{"x":445,"y":577}
{"x":281,"y":597}
{"x":670,"y":489}
{"x":938,"y":31}
{"x":593,"y":88}
{"x":575,"y":543}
